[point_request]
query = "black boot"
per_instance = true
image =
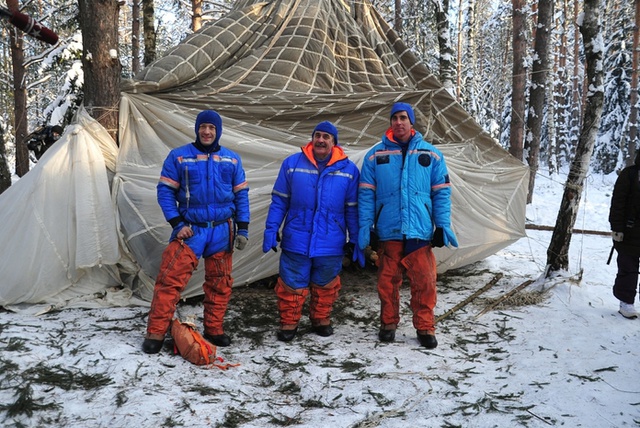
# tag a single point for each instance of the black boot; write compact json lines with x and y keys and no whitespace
{"x":287,"y":335}
{"x":387,"y":335}
{"x":323,"y":330}
{"x":221,"y":340}
{"x":428,"y":340}
{"x":151,"y":346}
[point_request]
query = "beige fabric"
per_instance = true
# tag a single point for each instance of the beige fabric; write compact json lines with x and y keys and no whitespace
{"x":273,"y":70}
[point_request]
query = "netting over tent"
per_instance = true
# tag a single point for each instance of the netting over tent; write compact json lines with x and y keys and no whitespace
{"x":273,"y":70}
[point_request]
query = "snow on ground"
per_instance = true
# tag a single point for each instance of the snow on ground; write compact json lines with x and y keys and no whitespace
{"x":568,"y":359}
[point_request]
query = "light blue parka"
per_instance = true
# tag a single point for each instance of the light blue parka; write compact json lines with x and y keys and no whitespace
{"x":404,"y":197}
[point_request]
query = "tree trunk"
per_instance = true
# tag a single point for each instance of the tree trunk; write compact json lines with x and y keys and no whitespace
{"x":21,"y":124}
{"x":561,"y":94}
{"x":196,"y":16}
{"x":471,"y":60}
{"x":5,"y":174}
{"x":633,"y":114}
{"x":99,"y":24}
{"x":519,"y":77}
{"x":538,"y":90}
{"x":558,"y":252}
{"x":397,"y":17}
{"x":149,"y":30}
{"x":577,"y":104}
{"x":459,"y":62}
{"x":135,"y":37}
{"x":447,"y":66}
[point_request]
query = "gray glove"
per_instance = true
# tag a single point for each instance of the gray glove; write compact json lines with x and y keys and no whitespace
{"x":617,"y":236}
{"x":241,"y":242}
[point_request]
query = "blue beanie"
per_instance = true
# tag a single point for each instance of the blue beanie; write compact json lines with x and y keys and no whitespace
{"x":209,"y":116}
{"x":327,"y":127}
{"x":397,"y":107}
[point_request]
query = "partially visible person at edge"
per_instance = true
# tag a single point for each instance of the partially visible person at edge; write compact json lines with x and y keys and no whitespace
{"x":203,"y":194}
{"x":404,"y":199}
{"x":624,"y":218}
{"x":316,"y":195}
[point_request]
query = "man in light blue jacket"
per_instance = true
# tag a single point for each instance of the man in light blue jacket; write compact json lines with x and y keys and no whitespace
{"x":404,"y":198}
{"x":316,"y":197}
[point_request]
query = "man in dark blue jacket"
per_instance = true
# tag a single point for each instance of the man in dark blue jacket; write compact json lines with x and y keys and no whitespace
{"x":203,"y":193}
{"x":316,"y":196}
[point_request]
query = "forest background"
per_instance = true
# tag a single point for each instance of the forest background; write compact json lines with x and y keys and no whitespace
{"x":553,"y":81}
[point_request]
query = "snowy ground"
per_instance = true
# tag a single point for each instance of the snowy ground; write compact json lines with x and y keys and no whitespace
{"x":566,"y":359}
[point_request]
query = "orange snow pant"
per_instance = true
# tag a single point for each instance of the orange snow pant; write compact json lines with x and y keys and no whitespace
{"x":322,"y":300}
{"x":177,"y":266}
{"x":420,"y":267}
{"x":217,"y":291}
{"x":290,"y":303}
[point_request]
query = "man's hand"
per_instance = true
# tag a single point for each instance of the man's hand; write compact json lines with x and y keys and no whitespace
{"x":185,"y":232}
{"x":241,"y":242}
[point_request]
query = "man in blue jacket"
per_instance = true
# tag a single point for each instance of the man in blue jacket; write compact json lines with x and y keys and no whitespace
{"x":316,"y":196}
{"x":203,"y":194}
{"x":404,"y":198}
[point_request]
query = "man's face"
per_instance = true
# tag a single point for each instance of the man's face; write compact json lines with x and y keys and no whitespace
{"x":322,"y":144}
{"x":207,"y":133}
{"x":401,"y":126}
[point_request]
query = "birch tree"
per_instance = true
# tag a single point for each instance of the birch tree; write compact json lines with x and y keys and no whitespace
{"x":590,"y":28}
{"x":447,"y":65}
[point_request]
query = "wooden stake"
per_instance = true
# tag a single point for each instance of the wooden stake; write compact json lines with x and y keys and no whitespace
{"x":466,"y":301}
{"x":504,"y":297}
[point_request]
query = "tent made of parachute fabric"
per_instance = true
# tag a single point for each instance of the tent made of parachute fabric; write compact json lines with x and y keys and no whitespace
{"x":273,"y":70}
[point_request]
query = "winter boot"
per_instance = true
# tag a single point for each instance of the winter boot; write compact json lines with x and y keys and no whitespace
{"x":387,"y":333}
{"x":627,"y":310}
{"x":427,"y":339}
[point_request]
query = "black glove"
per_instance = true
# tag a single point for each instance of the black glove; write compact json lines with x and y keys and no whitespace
{"x":438,"y":238}
{"x":348,"y":249}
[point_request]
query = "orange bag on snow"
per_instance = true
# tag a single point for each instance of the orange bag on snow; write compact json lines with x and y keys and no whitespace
{"x":189,"y":343}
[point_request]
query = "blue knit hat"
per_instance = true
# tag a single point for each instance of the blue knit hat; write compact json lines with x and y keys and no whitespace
{"x":209,"y":116}
{"x":397,"y":107}
{"x":327,"y":127}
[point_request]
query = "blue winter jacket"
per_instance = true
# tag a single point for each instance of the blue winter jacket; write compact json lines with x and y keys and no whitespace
{"x":200,"y":187}
{"x":404,"y":197}
{"x":318,"y":208}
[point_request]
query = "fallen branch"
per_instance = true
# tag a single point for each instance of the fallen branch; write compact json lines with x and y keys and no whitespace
{"x":583,"y":231}
{"x":466,"y":301}
{"x":504,"y":297}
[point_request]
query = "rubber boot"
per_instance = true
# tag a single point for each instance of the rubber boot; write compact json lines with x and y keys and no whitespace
{"x":290,"y":303}
{"x":177,"y":266}
{"x":321,"y":305}
{"x":217,"y":293}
